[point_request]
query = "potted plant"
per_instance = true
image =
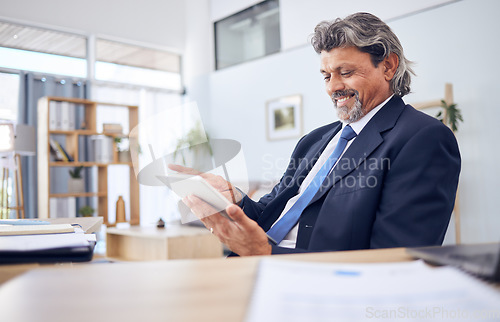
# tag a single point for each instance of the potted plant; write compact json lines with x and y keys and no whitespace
{"x":76,"y":184}
{"x":122,"y":147}
{"x":451,"y":116}
{"x":86,"y":211}
{"x":194,"y":149}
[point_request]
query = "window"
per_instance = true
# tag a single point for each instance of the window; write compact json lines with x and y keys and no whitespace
{"x":42,"y":50}
{"x":65,"y":54}
{"x":246,"y":35}
{"x":9,"y":96}
{"x":42,"y":63}
{"x":124,"y":63}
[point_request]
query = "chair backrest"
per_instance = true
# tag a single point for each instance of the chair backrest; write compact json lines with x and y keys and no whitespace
{"x":448,"y":99}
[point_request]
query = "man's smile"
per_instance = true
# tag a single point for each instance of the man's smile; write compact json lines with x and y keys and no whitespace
{"x":343,"y":100}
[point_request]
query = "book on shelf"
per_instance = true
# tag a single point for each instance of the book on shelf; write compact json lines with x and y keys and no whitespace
{"x":85,"y":149}
{"x":65,"y":116}
{"x":72,"y":118}
{"x":62,"y":207}
{"x":52,"y":115}
{"x":57,"y":115}
{"x":62,"y":116}
{"x":114,"y":128}
{"x":58,"y":156}
{"x":59,"y":152}
{"x":66,"y":154}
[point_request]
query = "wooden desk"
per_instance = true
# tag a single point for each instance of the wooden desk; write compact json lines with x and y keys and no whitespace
{"x":89,"y":225}
{"x":182,"y":290}
{"x":151,"y":243}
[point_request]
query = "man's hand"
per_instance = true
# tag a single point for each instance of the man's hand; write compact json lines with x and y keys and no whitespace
{"x":224,"y":187}
{"x":242,"y":235}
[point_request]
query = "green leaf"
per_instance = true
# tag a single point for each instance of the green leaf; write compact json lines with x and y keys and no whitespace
{"x":453,"y":115}
{"x":76,"y":172}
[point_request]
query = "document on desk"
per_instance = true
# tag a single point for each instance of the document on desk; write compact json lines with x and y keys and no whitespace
{"x":47,"y":248}
{"x":41,"y":242}
{"x":410,"y":291}
{"x":15,"y":229}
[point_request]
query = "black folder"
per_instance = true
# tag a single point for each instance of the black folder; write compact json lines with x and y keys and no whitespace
{"x":53,"y":255}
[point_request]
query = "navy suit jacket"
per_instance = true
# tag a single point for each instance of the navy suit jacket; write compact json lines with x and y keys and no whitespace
{"x":395,"y":186}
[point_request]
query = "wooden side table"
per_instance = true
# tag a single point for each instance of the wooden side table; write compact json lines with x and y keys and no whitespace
{"x":151,"y":243}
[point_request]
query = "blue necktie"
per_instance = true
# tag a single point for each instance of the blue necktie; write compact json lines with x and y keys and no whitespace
{"x":290,"y":219}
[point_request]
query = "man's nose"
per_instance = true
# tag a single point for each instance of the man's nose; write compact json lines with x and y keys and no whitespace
{"x":334,"y":85}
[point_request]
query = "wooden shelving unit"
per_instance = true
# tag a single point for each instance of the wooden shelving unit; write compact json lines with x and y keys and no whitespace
{"x":71,"y":138}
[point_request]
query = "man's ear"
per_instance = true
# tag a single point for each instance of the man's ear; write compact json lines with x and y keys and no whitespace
{"x":391,"y":64}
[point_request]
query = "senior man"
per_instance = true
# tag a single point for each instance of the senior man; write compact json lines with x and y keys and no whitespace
{"x":385,"y":175}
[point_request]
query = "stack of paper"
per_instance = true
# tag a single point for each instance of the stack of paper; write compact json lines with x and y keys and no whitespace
{"x":412,"y":291}
{"x":44,"y":243}
{"x":9,"y":230}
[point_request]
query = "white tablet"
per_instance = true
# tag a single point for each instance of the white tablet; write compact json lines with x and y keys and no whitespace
{"x":186,"y":185}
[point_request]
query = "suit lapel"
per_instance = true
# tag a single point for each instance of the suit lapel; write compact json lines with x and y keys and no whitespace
{"x":365,"y":143}
{"x":308,"y":162}
{"x":303,"y":169}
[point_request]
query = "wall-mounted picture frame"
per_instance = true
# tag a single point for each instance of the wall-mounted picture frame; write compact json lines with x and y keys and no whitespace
{"x":284,"y":118}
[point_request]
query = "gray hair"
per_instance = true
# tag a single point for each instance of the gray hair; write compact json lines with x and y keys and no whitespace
{"x":370,"y":35}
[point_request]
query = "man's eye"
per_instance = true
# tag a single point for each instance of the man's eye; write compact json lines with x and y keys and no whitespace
{"x":326,"y":78}
{"x":346,"y":73}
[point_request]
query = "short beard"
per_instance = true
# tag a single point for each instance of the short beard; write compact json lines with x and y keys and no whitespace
{"x":344,"y":113}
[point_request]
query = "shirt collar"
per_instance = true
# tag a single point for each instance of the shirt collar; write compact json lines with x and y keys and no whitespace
{"x":360,"y":124}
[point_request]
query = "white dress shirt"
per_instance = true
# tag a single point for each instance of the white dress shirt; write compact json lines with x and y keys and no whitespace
{"x":290,"y":239}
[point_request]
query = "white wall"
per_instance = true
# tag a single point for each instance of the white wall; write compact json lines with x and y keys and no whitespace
{"x":298,"y":18}
{"x":198,"y":62}
{"x":451,"y":43}
{"x":238,"y":105}
{"x":158,"y":22}
{"x":458,"y":44}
